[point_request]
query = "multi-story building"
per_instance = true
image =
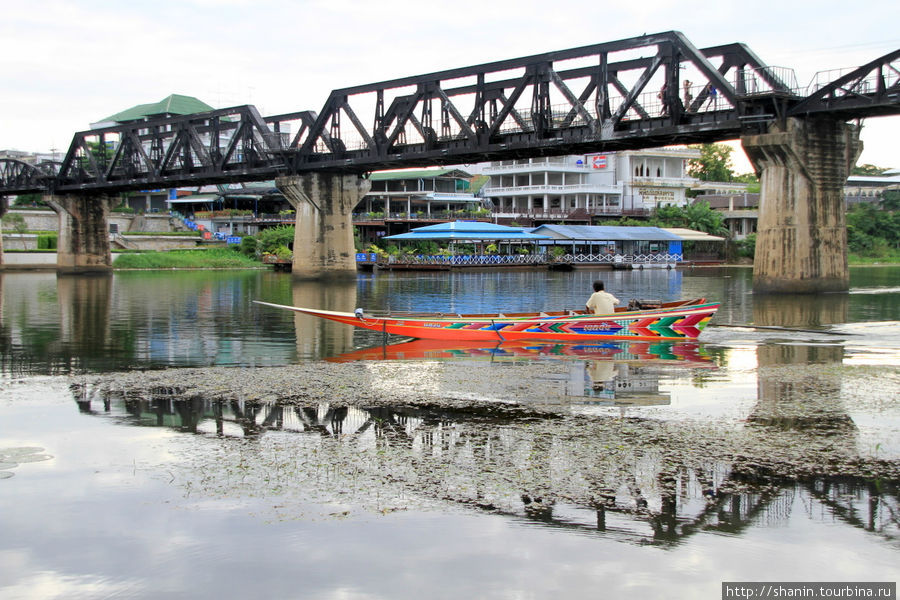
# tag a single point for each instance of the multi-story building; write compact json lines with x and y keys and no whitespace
{"x":430,"y":193}
{"x":579,"y":188}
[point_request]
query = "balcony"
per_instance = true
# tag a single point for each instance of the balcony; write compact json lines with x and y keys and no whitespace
{"x":526,"y":190}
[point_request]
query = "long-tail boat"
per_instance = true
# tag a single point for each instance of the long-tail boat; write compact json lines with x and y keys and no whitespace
{"x":682,"y":320}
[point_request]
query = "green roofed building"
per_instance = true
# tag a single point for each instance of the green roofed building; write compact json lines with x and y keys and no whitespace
{"x":423,"y":191}
{"x":170,"y":106}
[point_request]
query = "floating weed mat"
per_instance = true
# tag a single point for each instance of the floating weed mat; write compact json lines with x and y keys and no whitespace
{"x":362,"y":438}
{"x":10,"y":458}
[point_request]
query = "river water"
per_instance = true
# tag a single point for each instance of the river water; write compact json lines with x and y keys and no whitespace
{"x":105,"y":496}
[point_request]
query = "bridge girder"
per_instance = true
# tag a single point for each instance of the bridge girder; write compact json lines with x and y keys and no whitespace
{"x":870,"y":90}
{"x":627,"y":94}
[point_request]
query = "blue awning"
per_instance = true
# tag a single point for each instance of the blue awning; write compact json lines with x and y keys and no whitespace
{"x":468,"y":231}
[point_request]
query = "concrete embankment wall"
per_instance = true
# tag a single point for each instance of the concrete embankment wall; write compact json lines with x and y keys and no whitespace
{"x":47,"y":220}
{"x":28,"y":260}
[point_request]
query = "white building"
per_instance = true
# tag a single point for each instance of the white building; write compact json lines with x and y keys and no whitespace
{"x":579,"y":187}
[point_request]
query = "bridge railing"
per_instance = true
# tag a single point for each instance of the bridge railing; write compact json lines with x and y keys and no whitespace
{"x":868,"y":84}
{"x":767,"y":80}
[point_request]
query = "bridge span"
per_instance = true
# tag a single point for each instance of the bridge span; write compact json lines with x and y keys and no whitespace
{"x":641,"y":92}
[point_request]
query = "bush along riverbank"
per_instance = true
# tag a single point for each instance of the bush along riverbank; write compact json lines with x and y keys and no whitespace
{"x":208,"y":258}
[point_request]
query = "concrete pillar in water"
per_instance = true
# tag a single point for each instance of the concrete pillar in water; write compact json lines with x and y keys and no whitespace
{"x":2,"y":212}
{"x":83,"y":243}
{"x":323,"y":238}
{"x":801,"y":238}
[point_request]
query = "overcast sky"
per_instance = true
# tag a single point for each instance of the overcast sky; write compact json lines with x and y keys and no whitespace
{"x":69,"y":63}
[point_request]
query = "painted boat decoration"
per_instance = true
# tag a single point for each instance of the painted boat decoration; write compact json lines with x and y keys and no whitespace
{"x":639,"y":353}
{"x":665,"y":321}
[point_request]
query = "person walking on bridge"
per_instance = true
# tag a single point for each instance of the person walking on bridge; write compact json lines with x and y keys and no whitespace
{"x":601,"y":302}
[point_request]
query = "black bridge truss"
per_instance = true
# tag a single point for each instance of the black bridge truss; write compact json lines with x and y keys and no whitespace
{"x":648,"y":91}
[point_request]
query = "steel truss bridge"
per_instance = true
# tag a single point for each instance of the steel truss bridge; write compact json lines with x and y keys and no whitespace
{"x":647,"y":91}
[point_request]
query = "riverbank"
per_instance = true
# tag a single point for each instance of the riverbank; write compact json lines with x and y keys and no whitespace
{"x":204,"y":258}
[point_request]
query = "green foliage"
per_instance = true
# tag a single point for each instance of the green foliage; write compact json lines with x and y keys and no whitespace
{"x":697,"y":216}
{"x":15,"y":221}
{"x":47,"y":242}
{"x":29,"y":200}
{"x":751,"y":180}
{"x":867,"y":169}
{"x":746,"y":178}
{"x":714,"y":163}
{"x":747,"y":247}
{"x":273,"y":237}
{"x":874,"y":230}
{"x":624,"y":222}
{"x":123,"y":208}
{"x":283,"y":253}
{"x":890,"y":200}
{"x":212,"y":258}
{"x":223,"y":214}
{"x":249,"y":246}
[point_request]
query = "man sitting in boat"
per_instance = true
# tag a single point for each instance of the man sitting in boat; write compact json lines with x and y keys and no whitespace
{"x":601,"y":302}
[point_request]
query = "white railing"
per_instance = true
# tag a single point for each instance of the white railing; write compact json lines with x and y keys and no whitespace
{"x":621,"y":258}
{"x":577,"y":187}
{"x":467,"y":259}
{"x":537,"y":167}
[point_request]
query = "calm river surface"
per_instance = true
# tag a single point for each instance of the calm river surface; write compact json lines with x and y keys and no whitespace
{"x":104,"y":495}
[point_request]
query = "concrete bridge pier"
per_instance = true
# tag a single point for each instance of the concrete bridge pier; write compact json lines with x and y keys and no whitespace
{"x":83,"y":243}
{"x":3,"y":209}
{"x":801,"y":238}
{"x":323,"y":238}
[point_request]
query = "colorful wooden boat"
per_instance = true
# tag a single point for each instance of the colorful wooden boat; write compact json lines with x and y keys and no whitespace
{"x":665,"y":321}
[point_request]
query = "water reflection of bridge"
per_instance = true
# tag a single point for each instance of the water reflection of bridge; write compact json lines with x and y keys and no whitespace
{"x":546,"y":475}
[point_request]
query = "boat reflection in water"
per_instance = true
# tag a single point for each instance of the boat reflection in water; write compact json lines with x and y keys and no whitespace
{"x":620,"y":373}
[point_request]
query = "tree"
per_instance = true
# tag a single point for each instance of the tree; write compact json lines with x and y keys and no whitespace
{"x":272,"y":238}
{"x":890,"y":200}
{"x":714,"y":163}
{"x":871,"y":229}
{"x":867,"y":169}
{"x":15,"y":221}
{"x":697,"y":216}
{"x":700,"y":217}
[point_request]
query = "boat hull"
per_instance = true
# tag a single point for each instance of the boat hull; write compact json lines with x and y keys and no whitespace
{"x":680,"y":322}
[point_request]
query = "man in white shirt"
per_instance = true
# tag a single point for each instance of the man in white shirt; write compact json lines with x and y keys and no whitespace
{"x":600,"y":302}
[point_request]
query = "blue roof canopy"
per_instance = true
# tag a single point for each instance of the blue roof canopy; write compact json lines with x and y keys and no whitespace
{"x":467,"y":230}
{"x":606,"y":233}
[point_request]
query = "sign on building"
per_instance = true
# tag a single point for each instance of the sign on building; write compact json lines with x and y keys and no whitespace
{"x":598,"y":161}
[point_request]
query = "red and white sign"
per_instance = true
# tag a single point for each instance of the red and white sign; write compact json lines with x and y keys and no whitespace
{"x":598,"y":162}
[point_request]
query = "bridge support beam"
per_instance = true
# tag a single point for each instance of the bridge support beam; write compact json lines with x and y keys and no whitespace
{"x":323,"y":238}
{"x":83,"y":243}
{"x":801,"y":238}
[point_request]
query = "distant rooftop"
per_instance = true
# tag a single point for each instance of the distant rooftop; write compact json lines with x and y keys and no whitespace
{"x":417,"y":174}
{"x":174,"y":104}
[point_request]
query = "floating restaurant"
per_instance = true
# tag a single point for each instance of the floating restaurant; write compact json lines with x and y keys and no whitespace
{"x":547,"y":245}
